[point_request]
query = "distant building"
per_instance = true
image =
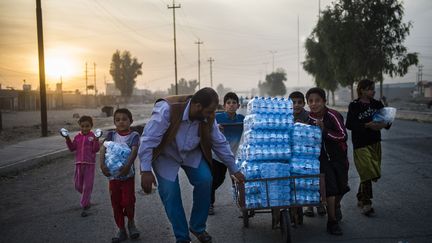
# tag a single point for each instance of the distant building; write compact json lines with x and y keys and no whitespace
{"x":110,"y":89}
{"x":424,"y":89}
{"x":402,"y":91}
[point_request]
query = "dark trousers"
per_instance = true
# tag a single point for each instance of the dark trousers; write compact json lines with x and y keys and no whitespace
{"x":218,"y":173}
{"x":364,"y":193}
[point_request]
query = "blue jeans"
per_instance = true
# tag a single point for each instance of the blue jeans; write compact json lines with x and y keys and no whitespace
{"x":169,"y":192}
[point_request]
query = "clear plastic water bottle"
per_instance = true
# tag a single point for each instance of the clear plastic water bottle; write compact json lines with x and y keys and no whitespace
{"x":98,"y":133}
{"x":64,"y":132}
{"x":252,"y":105}
{"x":289,"y":105}
{"x":267,"y":105}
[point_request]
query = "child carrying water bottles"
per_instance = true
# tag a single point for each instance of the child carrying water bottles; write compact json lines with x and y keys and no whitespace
{"x":333,"y":157}
{"x":122,"y":185}
{"x":302,"y":115}
{"x":86,"y":145}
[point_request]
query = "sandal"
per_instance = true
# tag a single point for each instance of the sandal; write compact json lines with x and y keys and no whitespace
{"x":203,"y":237}
{"x":309,"y":212}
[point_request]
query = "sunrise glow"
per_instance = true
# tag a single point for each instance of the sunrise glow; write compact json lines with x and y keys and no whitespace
{"x":61,"y":66}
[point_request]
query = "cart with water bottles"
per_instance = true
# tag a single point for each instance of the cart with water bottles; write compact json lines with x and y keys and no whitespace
{"x":279,"y":159}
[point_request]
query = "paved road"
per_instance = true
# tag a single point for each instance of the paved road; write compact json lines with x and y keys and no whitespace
{"x":41,"y":205}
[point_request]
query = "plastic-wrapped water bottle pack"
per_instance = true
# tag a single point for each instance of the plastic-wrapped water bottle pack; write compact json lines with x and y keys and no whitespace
{"x":274,"y":147}
{"x":268,"y":170}
{"x":306,"y":150}
{"x":116,"y":156}
{"x":266,"y":151}
{"x":386,"y":114}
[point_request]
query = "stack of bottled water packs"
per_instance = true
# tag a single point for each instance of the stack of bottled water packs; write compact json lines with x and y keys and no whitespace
{"x":306,"y":146}
{"x":116,"y":156}
{"x":266,"y":150}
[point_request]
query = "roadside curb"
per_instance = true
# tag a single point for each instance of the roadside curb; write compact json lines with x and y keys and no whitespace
{"x":27,"y":164}
{"x":401,"y":114}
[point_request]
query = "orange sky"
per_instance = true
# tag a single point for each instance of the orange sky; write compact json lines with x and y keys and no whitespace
{"x":239,"y":35}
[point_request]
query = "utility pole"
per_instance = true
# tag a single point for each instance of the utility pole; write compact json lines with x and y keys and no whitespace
{"x":175,"y":44}
{"x":266,"y":71}
{"x":319,"y":9}
{"x":211,"y":60}
{"x":86,"y":79}
{"x":298,"y":50}
{"x":199,"y":63}
{"x":61,"y":92}
{"x":420,"y":78}
{"x":420,"y":73}
{"x":105,"y":84}
{"x":43,"y":105}
{"x":273,"y":55}
{"x":94,"y":78}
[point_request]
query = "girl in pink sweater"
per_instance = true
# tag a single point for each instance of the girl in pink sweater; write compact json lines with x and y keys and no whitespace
{"x":86,"y":145}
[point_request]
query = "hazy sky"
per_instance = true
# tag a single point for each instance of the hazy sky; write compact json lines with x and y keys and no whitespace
{"x":240,"y":35}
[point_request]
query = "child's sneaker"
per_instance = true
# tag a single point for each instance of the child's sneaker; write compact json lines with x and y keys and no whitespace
{"x":84,"y":214}
{"x":133,"y":232}
{"x":334,"y":228}
{"x":121,"y":236}
{"x":368,"y":210}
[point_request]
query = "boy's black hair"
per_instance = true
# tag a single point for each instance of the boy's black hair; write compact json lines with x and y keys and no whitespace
{"x":85,"y":119}
{"x":364,"y":84}
{"x":232,"y":96}
{"x":124,"y":111}
{"x":206,"y":97}
{"x":317,"y":91}
{"x":297,"y":95}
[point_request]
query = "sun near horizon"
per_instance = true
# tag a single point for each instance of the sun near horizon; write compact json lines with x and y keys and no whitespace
{"x":61,"y":63}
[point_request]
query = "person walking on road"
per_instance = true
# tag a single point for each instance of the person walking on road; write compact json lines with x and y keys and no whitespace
{"x":333,"y":157}
{"x":366,"y":140}
{"x":86,"y":145}
{"x":181,"y":133}
{"x":231,"y":105}
{"x":122,"y":186}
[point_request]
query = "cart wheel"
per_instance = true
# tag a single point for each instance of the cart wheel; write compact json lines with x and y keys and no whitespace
{"x":245,"y":218}
{"x":300,"y":215}
{"x":285,"y":226}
